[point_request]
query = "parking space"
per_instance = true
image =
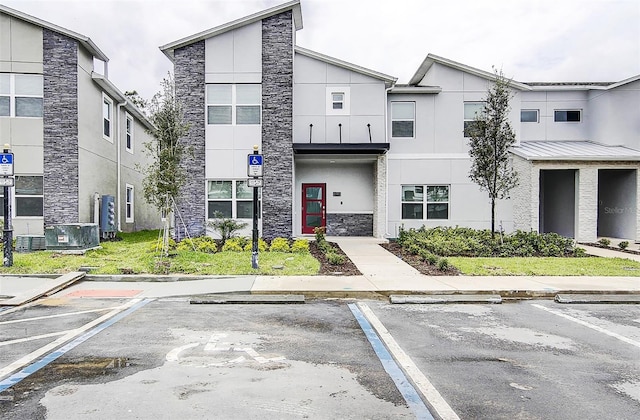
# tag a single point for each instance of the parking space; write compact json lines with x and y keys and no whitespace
{"x":166,"y":358}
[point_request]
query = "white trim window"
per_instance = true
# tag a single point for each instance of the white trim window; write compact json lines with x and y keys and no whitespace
{"x":403,"y":119}
{"x":229,"y":200}
{"x":128,"y":133}
{"x":529,"y":115}
{"x":429,"y":200}
{"x":567,"y":115}
{"x":21,"y":95}
{"x":29,"y":196}
{"x":107,"y":117}
{"x":128,"y":203}
{"x":338,"y":100}
{"x":234,"y":104}
{"x":471,"y":111}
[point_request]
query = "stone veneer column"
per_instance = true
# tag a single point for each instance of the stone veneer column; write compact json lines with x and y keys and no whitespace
{"x":587,"y":230}
{"x":525,"y":197}
{"x":277,"y":125}
{"x":60,"y":121}
{"x":380,"y":197}
{"x":190,"y":89}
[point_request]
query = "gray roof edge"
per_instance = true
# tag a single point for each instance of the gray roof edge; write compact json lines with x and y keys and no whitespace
{"x":416,"y":89}
{"x":294,"y":5}
{"x":522,"y":152}
{"x":113,"y":91}
{"x":84,"y":40}
{"x":345,"y":64}
{"x":432,"y":58}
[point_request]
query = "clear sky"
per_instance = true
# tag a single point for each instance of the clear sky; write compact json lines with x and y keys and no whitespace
{"x":531,"y":40}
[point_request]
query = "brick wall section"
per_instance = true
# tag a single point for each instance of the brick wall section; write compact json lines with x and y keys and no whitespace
{"x":380,"y":197}
{"x":60,"y":120}
{"x":277,"y":125}
{"x":190,"y":89}
{"x":587,"y":205}
{"x":351,"y":224}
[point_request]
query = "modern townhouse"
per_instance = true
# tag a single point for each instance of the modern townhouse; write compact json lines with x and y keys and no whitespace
{"x":348,"y":148}
{"x":74,"y":135}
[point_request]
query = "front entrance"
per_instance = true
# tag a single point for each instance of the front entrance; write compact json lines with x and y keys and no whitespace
{"x":313,"y":207}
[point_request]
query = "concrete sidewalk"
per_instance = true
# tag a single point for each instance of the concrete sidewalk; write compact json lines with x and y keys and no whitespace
{"x":383,"y":274}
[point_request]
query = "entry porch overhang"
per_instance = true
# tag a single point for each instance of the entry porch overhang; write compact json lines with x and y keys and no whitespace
{"x":573,"y":151}
{"x":340,"y":148}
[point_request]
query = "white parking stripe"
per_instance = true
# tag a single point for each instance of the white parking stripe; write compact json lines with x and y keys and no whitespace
{"x":588,"y":325}
{"x":25,"y":360}
{"x":422,"y":384}
{"x":38,"y":318}
{"x":35,"y":337}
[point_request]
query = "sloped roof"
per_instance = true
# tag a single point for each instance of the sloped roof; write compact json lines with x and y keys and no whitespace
{"x":115,"y":93}
{"x":294,"y":6}
{"x":431,"y":59}
{"x":573,"y":150}
{"x":85,"y":41}
{"x":389,"y":80}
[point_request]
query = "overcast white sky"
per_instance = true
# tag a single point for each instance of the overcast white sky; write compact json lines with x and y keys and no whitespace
{"x":533,"y":40}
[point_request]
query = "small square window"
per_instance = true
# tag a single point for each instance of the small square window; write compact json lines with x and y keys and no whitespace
{"x":529,"y":115}
{"x":337,"y":100}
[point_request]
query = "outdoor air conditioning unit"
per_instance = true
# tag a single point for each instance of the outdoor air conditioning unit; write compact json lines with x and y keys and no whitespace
{"x":28,"y":243}
{"x":72,"y":237}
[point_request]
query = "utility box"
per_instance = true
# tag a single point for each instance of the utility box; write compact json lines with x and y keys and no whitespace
{"x":72,"y":237}
{"x":108,"y":217}
{"x":28,"y":243}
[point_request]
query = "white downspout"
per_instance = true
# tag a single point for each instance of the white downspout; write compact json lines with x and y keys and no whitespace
{"x":119,"y":165}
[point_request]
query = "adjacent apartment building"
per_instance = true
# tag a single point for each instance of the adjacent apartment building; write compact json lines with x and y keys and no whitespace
{"x":348,"y":148}
{"x":74,"y":135}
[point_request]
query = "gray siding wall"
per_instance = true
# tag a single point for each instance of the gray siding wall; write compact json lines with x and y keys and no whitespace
{"x":277,"y":125}
{"x":190,"y":88}
{"x":60,"y":57}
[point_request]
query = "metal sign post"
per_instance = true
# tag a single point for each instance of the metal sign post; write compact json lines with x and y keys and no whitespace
{"x":6,"y":172}
{"x":254,"y":170}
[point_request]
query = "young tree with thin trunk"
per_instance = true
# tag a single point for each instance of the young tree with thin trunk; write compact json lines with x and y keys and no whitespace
{"x":165,"y":176}
{"x":490,"y":140}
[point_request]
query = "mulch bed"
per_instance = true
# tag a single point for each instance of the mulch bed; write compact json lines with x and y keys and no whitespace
{"x":417,"y":263}
{"x":612,"y":248}
{"x":346,"y":269}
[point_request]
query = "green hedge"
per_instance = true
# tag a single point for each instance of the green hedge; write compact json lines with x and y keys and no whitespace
{"x":466,"y":242}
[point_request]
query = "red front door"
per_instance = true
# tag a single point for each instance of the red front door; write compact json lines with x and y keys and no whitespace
{"x":313,"y":207}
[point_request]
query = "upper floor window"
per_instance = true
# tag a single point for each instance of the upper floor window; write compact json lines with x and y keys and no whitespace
{"x":107,"y":115}
{"x":403,"y":119}
{"x":129,"y":133}
{"x":567,"y":115}
{"x":337,"y":100}
{"x":21,"y":95}
{"x":230,"y":104}
{"x":529,"y":115}
{"x":471,"y":111}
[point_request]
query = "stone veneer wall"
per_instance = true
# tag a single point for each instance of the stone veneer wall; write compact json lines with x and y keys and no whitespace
{"x":277,"y":125}
{"x":349,"y":224}
{"x":190,"y":89}
{"x":380,"y":197}
{"x":60,"y":121}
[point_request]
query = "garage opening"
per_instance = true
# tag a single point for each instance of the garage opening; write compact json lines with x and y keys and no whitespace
{"x":617,"y":203}
{"x":558,"y":201}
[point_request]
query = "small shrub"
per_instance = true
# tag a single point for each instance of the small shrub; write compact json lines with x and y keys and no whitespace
{"x":262,"y":245}
{"x":623,"y":245}
{"x":325,"y":246}
{"x":280,"y":245}
{"x":157,"y":245}
{"x":579,"y":252}
{"x":300,"y":246}
{"x":334,"y":258}
{"x":443,"y":264}
{"x":226,"y":228}
{"x":604,"y":242}
{"x":233,"y":245}
{"x":319,"y":232}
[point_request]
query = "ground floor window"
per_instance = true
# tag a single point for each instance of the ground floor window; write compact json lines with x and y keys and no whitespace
{"x":128,"y":204}
{"x":28,"y":196}
{"x":230,"y":199}
{"x":431,"y":201}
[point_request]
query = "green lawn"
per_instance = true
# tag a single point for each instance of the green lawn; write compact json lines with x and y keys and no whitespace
{"x":134,"y":254}
{"x":547,"y":266}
